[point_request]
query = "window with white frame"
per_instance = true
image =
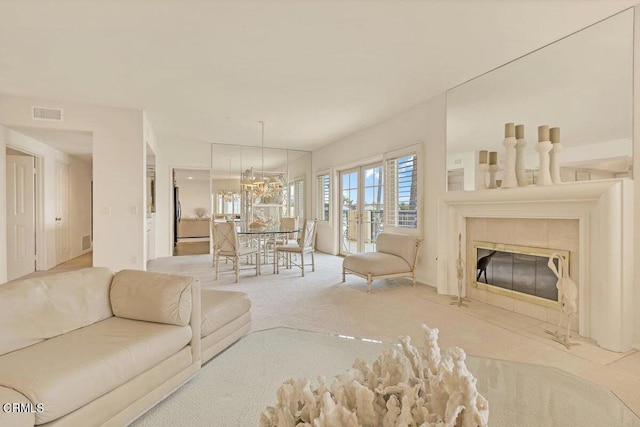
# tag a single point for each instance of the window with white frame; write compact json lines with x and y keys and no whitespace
{"x":323,"y":206}
{"x":296,"y":198}
{"x":401,"y":190}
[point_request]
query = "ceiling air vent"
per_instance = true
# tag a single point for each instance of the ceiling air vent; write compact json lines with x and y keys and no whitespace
{"x":47,"y":113}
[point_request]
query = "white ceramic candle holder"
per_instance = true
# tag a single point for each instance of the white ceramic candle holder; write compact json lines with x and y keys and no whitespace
{"x":509,"y":179}
{"x":481,"y":179}
{"x":521,"y":175}
{"x":544,"y":175}
{"x":554,"y":163}
{"x":493,"y":169}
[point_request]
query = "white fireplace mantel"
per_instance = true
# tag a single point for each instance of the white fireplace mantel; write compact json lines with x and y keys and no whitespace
{"x":604,"y":210}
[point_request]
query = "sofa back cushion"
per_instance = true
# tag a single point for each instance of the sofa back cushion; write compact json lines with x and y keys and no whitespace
{"x":152,"y":297}
{"x":402,"y":245}
{"x":32,"y":310}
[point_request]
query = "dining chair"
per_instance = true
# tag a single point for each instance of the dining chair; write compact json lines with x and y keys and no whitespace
{"x":304,"y":246}
{"x":282,"y":239}
{"x":227,"y":245}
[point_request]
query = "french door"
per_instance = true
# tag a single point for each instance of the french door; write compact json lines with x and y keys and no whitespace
{"x":361,"y":218}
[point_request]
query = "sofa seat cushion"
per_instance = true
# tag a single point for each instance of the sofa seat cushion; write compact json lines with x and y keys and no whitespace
{"x":220,"y":308}
{"x":376,"y":264}
{"x":71,"y":370}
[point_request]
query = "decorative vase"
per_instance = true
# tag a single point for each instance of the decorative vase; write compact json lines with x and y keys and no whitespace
{"x":543,"y":147}
{"x":554,"y":155}
{"x":521,"y":144}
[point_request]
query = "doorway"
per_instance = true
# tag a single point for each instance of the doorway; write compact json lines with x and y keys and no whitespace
{"x":21,"y":214}
{"x":192,"y":211}
{"x":361,"y":219}
{"x":62,"y":213}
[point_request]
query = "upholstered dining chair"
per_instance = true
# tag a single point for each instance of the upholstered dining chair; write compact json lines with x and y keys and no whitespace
{"x":227,"y":245}
{"x":305,"y":245}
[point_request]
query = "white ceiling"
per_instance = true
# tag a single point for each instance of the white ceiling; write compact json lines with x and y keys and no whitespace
{"x":314,"y":71}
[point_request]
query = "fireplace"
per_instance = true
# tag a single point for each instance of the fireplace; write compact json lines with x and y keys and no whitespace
{"x":602,"y":214}
{"x":520,"y":272}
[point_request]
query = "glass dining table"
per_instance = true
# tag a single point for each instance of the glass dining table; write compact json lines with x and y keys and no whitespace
{"x":264,"y":236}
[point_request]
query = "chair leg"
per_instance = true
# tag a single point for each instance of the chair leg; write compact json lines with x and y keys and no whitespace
{"x":277,"y":263}
{"x":236,"y":266}
{"x":258,"y":266}
{"x":368,"y":282}
{"x":343,"y":275}
{"x":302,"y":263}
{"x":313,"y":262}
{"x":413,"y":276}
{"x":216,"y":262}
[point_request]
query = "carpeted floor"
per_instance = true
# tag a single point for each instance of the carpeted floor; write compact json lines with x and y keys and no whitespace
{"x":320,"y":302}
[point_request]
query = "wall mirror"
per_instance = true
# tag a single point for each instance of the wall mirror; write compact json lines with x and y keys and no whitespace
{"x":252,"y":184}
{"x":581,"y":83}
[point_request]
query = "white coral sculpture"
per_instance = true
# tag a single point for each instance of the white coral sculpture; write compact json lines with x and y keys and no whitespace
{"x":401,"y":388}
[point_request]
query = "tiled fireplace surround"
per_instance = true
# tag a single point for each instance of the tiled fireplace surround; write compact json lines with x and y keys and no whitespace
{"x":593,"y":220}
{"x":535,"y":233}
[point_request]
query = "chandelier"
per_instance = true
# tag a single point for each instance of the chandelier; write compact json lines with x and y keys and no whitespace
{"x":261,"y":187}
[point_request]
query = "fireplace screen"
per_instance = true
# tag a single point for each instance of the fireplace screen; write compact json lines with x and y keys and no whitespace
{"x":517,"y":269}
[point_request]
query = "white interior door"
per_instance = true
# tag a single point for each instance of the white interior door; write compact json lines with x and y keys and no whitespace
{"x":21,"y":242}
{"x":62,"y":213}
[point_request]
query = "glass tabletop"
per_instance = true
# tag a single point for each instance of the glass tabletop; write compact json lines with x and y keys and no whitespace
{"x":276,"y":229}
{"x":235,"y":387}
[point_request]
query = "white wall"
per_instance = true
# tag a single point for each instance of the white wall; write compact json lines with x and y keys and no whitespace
{"x":423,"y":124}
{"x":119,"y":178}
{"x":195,"y":193}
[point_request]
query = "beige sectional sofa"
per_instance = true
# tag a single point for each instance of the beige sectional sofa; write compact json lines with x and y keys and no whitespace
{"x":95,"y":348}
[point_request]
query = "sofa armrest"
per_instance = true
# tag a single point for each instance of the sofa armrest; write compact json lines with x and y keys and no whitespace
{"x":196,"y":321}
{"x":10,"y":415}
{"x":153,"y":297}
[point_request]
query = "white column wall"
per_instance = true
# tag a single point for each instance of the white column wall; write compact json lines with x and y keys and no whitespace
{"x":425,"y":124}
{"x":119,"y":179}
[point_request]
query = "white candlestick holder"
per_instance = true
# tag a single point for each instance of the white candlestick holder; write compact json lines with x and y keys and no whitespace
{"x":481,"y":179}
{"x":493,"y":169}
{"x":521,"y":175}
{"x":544,"y":175}
{"x":554,"y":163}
{"x":509,"y":179}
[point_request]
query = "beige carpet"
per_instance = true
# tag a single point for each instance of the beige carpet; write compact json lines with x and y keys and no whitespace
{"x":319,"y":302}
